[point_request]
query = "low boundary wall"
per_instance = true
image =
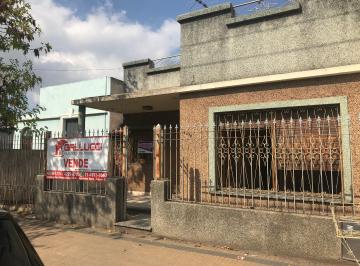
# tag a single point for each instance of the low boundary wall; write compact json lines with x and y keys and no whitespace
{"x":79,"y":208}
{"x":266,"y":231}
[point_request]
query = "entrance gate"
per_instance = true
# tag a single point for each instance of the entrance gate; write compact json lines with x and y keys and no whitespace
{"x":133,"y":160}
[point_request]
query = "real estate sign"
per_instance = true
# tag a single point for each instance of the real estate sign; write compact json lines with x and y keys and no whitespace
{"x":78,"y":158}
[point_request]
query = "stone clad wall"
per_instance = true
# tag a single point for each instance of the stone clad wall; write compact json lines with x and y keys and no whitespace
{"x":165,"y":79}
{"x":142,"y":75}
{"x":81,"y":208}
{"x":320,"y":34}
{"x":265,"y":231}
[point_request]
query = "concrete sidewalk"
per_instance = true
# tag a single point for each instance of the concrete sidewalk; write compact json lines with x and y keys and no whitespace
{"x":139,"y":202}
{"x":70,"y":245}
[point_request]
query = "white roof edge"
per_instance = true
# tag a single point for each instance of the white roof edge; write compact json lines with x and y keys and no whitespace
{"x":316,"y":73}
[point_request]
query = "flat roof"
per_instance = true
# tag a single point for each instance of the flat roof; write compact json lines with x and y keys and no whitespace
{"x":167,"y":99}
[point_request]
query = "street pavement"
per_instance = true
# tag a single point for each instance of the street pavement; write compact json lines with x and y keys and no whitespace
{"x":61,"y":245}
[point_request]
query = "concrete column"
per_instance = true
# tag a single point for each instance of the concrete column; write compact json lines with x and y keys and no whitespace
{"x":46,"y":138}
{"x":39,"y":181}
{"x":82,"y":133}
{"x":81,"y":121}
{"x":159,"y":196}
{"x":116,"y":189}
{"x":159,"y":191}
{"x":39,"y":195}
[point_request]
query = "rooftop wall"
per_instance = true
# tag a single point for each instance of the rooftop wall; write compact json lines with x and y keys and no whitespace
{"x":143,"y":75}
{"x":308,"y":34}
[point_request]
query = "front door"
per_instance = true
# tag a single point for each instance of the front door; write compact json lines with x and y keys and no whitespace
{"x":140,"y":167}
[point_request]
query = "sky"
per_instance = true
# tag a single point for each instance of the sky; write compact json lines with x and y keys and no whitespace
{"x":93,"y":38}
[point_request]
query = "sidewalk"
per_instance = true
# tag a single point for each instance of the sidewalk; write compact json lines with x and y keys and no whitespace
{"x":141,"y":202}
{"x":69,"y":245}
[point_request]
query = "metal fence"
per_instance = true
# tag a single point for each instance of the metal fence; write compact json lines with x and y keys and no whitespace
{"x":288,"y":160}
{"x":22,"y":157}
{"x":254,"y":6}
{"x":167,"y":61}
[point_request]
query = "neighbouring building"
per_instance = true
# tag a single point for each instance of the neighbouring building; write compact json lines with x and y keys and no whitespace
{"x":61,"y":117}
{"x":261,"y":112}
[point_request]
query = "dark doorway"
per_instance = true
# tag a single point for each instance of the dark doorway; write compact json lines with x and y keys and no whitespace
{"x":140,"y":169}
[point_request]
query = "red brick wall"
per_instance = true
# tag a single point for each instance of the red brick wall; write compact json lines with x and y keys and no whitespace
{"x":194,"y":106}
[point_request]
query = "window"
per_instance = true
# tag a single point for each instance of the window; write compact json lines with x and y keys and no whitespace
{"x":295,"y":150}
{"x":71,"y":127}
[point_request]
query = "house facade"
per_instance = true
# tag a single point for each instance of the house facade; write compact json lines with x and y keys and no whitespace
{"x":261,"y":113}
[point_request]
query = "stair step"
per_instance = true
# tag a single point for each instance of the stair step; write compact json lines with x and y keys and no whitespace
{"x":135,"y":224}
{"x":137,"y":220}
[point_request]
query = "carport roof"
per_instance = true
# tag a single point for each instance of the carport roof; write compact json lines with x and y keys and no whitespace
{"x":160,"y":100}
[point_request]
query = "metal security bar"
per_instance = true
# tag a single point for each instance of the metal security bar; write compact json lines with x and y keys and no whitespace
{"x":167,"y":61}
{"x":259,"y":5}
{"x":117,"y":164}
{"x":288,"y":159}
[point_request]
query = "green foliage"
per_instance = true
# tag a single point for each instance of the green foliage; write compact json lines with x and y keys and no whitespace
{"x":18,"y":30}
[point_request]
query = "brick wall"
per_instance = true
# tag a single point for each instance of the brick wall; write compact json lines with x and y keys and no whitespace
{"x":194,"y":107}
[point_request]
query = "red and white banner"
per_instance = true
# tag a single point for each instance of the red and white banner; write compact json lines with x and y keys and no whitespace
{"x":78,"y":158}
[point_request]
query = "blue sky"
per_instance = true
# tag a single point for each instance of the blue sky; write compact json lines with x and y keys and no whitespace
{"x":93,"y":38}
{"x":149,"y":12}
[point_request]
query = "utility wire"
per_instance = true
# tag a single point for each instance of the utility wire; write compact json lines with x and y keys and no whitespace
{"x":79,"y":69}
{"x":192,"y":6}
{"x":102,"y":69}
{"x":202,"y":3}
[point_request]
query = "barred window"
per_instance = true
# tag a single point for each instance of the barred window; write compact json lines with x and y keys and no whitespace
{"x":280,"y":150}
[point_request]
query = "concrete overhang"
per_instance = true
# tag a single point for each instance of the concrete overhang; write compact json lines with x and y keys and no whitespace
{"x":134,"y":102}
{"x":167,"y":99}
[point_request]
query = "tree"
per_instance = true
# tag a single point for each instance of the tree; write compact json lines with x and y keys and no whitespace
{"x":18,"y":32}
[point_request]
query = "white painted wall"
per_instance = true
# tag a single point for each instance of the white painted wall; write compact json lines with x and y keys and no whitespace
{"x":57,"y":101}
